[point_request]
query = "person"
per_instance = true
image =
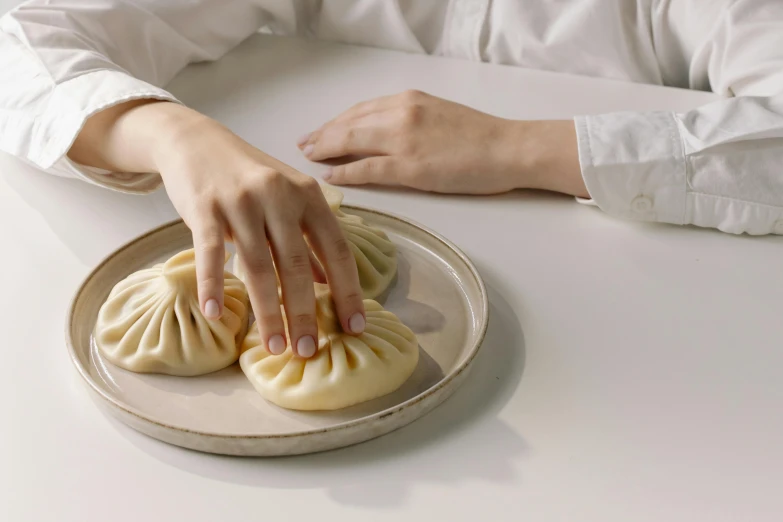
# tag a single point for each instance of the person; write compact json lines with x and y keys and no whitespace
{"x":81,"y":87}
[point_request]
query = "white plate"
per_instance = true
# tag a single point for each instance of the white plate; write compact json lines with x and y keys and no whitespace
{"x":438,"y":293}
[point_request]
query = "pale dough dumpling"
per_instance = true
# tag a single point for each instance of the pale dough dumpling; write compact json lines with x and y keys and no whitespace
{"x":373,"y":251}
{"x":375,"y":254}
{"x":346,"y":370}
{"x":152,"y":322}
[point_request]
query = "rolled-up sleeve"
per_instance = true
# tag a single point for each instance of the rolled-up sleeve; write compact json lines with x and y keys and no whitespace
{"x":63,"y":61}
{"x":718,"y":166}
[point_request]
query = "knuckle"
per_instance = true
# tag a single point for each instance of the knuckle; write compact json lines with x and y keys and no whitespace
{"x":351,"y":298}
{"x":302,"y":319}
{"x":299,"y":261}
{"x":311,"y":187}
{"x":296,"y":269}
{"x":348,"y":137}
{"x":368,"y":166}
{"x":265,"y":185}
{"x":258,"y":265}
{"x":269,"y":181}
{"x":342,"y":250}
{"x":245,"y":197}
{"x":209,"y":246}
{"x":210,"y":282}
{"x":206,"y":205}
{"x":410,"y":95}
{"x":412,"y":115}
{"x":271,"y":319}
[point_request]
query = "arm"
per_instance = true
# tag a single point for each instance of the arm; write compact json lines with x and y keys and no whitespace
{"x":718,"y":166}
{"x":62,"y":62}
{"x":84,"y":79}
{"x":424,"y":142}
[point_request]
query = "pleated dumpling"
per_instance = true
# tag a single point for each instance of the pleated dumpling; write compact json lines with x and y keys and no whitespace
{"x":346,"y":369}
{"x":375,"y":254}
{"x":152,"y":322}
{"x":373,"y":251}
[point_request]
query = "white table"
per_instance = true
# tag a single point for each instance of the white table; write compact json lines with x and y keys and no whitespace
{"x":631,"y":371}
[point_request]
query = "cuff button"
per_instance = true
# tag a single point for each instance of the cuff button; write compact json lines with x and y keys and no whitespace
{"x":641,"y":204}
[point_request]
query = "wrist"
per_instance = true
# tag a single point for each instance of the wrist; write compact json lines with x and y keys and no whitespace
{"x":128,"y":136}
{"x":173,"y":124}
{"x":543,"y":155}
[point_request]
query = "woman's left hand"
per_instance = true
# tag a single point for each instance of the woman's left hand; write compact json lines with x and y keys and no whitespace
{"x":427,"y":143}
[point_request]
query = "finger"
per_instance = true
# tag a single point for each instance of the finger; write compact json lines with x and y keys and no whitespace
{"x":381,"y":104}
{"x":329,"y":243}
{"x":378,"y":170}
{"x":253,"y":250}
{"x":371,"y":137}
{"x":296,"y":280}
{"x":210,"y":248}
{"x":359,"y":110}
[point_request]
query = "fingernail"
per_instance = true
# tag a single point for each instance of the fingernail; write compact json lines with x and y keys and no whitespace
{"x":212,"y":310}
{"x":308,"y":150}
{"x":327,"y":174}
{"x":357,"y":323}
{"x":304,"y":139}
{"x":305,"y":346}
{"x":276,"y":344}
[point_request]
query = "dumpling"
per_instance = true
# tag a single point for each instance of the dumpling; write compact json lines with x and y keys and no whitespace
{"x":346,"y":370}
{"x":152,"y":322}
{"x":375,"y":254}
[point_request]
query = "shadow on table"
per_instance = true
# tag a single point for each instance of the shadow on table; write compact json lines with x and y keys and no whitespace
{"x":90,"y":221}
{"x":462,"y":440}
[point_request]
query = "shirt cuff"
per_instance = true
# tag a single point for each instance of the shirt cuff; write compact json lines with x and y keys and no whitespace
{"x":633,"y":165}
{"x":127,"y":182}
{"x":69,"y":106}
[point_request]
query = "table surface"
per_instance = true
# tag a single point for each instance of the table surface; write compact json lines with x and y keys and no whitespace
{"x":631,"y":371}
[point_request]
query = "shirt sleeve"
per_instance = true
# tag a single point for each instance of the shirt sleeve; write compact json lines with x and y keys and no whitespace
{"x":63,"y":61}
{"x":718,"y":166}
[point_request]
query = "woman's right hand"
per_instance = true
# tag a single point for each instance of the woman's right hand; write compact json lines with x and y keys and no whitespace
{"x":224,"y":188}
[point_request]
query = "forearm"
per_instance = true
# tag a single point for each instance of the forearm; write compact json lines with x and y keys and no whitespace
{"x":65,"y":65}
{"x":126,"y":137}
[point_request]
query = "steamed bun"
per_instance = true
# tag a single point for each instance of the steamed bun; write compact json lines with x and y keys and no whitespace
{"x":152,"y":322}
{"x":373,"y":251}
{"x":346,"y":369}
{"x":375,"y":254}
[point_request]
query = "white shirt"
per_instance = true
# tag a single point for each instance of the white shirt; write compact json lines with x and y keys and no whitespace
{"x":718,"y":166}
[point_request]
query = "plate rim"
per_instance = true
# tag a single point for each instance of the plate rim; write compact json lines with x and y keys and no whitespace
{"x":448,"y":378}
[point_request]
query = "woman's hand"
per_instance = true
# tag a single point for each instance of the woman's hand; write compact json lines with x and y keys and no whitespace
{"x":226,"y":189}
{"x":423,"y":142}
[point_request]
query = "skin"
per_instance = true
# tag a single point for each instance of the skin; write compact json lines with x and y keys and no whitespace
{"x":419,"y":141}
{"x":225,"y":189}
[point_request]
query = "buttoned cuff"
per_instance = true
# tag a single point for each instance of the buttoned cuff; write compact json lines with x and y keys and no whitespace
{"x":633,"y":165}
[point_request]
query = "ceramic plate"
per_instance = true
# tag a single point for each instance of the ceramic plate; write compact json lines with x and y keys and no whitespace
{"x":438,"y":293}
